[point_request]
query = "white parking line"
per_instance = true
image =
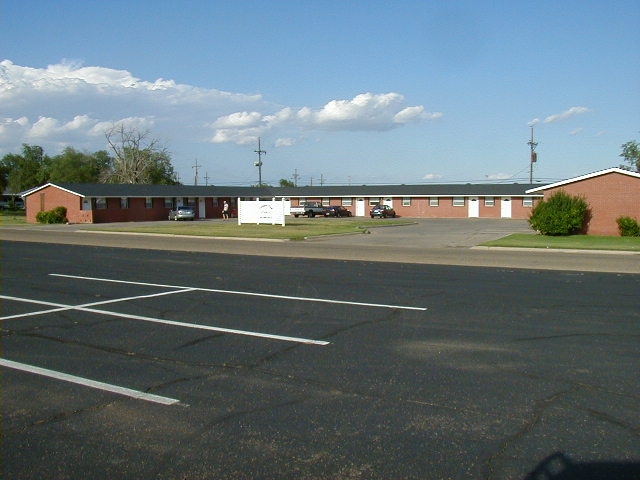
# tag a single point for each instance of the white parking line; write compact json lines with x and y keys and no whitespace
{"x":252,"y":294}
{"x":162,"y":321}
{"x":107,"y":387}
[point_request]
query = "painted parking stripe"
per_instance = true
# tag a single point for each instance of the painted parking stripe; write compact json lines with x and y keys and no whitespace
{"x":107,"y":387}
{"x":251,"y":294}
{"x":162,"y":321}
{"x":60,"y":307}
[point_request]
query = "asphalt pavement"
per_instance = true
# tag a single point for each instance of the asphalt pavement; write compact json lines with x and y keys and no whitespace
{"x":169,"y":364}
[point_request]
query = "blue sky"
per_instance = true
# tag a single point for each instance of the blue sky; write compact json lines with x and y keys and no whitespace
{"x":339,"y":92}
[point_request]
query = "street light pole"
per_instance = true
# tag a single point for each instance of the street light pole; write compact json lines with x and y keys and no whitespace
{"x":258,"y":164}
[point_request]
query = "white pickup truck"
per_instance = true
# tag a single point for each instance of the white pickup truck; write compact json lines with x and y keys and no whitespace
{"x":308,"y":209}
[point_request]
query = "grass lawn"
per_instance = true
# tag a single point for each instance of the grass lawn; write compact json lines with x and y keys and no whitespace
{"x":12,"y":217}
{"x":294,"y":229}
{"x":579,"y":242}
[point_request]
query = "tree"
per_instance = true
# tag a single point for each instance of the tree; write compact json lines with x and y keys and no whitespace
{"x":286,"y":183}
{"x":561,"y":214}
{"x":74,"y":166}
{"x":25,"y":171}
{"x":137,"y":158}
{"x":631,"y":155}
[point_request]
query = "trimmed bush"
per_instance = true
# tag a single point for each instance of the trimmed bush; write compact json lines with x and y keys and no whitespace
{"x":561,"y":214}
{"x":56,"y":215}
{"x":628,"y":227}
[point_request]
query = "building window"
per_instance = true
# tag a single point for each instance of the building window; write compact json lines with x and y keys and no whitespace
{"x":406,"y":201}
{"x":124,"y":202}
{"x":434,"y":202}
{"x":527,"y":202}
{"x":302,"y":200}
{"x":489,"y":202}
{"x":347,"y":202}
{"x":148,"y":202}
{"x":101,"y":203}
{"x":458,"y":201}
{"x":168,"y":202}
{"x":326,"y":202}
{"x":374,"y":201}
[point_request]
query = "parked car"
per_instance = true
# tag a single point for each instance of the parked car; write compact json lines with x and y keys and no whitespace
{"x":382,"y":211}
{"x":337,"y":211}
{"x":308,"y":209}
{"x":182,"y":213}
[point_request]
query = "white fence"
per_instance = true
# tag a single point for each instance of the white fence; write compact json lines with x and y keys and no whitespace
{"x":261,"y":211}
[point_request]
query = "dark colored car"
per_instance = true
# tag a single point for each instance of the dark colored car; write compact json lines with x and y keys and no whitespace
{"x":382,"y":211}
{"x":336,"y":211}
{"x":182,"y":213}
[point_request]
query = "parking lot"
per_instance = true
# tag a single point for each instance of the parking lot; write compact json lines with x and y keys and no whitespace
{"x":137,"y":363}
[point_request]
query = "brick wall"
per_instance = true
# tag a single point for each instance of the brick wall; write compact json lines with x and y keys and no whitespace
{"x":609,"y":196}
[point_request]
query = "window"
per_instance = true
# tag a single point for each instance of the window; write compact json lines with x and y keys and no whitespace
{"x":302,"y":200}
{"x":148,"y":202}
{"x":458,"y":201}
{"x":168,"y":202}
{"x":527,"y":202}
{"x":489,"y":202}
{"x":326,"y":202}
{"x":347,"y":202}
{"x":101,"y":203}
{"x":434,"y":202}
{"x":406,"y":201}
{"x":124,"y":202}
{"x":374,"y":201}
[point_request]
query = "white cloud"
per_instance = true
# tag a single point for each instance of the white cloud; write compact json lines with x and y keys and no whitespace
{"x":499,"y":176}
{"x":432,"y":176}
{"x":285,"y":142}
{"x":558,"y":117}
{"x":72,"y":104}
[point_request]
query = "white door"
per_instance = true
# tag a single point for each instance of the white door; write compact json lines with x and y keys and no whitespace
{"x":474,"y":207}
{"x":360,"y":210}
{"x":505,"y":207}
{"x":202,"y":212}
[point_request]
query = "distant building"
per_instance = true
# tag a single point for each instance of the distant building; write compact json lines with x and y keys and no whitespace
{"x":610,"y":193}
{"x":101,"y":203}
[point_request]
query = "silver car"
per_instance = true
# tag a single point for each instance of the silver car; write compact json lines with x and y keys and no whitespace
{"x":182,"y":213}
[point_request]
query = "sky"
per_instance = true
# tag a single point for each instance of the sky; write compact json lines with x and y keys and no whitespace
{"x":344,"y":92}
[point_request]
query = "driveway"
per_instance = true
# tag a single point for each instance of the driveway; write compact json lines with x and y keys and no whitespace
{"x":428,"y":241}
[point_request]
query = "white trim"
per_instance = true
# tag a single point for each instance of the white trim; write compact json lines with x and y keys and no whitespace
{"x":36,"y":189}
{"x":585,"y":177}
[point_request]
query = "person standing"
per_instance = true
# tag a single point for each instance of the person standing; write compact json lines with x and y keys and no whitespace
{"x":225,"y":210}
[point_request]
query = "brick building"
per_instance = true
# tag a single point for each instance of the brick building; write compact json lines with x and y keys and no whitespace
{"x":610,"y":193}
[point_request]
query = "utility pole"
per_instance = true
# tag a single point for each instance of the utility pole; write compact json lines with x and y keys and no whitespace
{"x":534,"y":155}
{"x":206,"y":179}
{"x":258,"y":164}
{"x":196,"y":166}
{"x":295,"y":177}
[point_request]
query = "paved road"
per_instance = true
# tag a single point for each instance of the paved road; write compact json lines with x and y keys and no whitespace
{"x":379,"y":370}
{"x":433,"y":241}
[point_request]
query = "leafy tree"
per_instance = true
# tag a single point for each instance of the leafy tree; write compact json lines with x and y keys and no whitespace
{"x":27,"y":170}
{"x":137,"y":158}
{"x":74,"y":166}
{"x":286,"y":183}
{"x":561,"y":214}
{"x":631,"y":155}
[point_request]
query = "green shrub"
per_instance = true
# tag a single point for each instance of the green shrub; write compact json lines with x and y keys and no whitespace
{"x":628,"y":227}
{"x":561,"y":214}
{"x":56,"y":215}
